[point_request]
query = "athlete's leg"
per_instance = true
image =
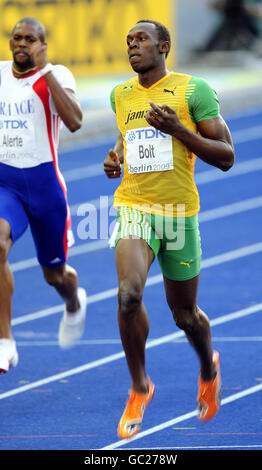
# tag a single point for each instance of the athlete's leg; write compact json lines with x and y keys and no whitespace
{"x":50,"y":226}
{"x":13,"y":223}
{"x":65,"y":280}
{"x":49,"y":221}
{"x":6,"y":280}
{"x":182,"y":300}
{"x":133,"y":260}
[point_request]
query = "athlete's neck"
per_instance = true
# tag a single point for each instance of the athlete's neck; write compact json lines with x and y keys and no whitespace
{"x":150,"y":77}
{"x":22,"y":73}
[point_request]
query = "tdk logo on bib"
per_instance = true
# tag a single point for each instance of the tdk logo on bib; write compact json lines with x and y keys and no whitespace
{"x":145,"y":133}
{"x":13,"y":124}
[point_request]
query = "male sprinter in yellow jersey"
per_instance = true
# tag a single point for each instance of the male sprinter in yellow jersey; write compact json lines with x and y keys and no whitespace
{"x":165,"y":120}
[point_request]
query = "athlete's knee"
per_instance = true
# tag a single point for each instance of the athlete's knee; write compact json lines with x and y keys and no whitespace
{"x":54,"y":276}
{"x":129,"y":298}
{"x":185,"y":318}
{"x":60,"y":276}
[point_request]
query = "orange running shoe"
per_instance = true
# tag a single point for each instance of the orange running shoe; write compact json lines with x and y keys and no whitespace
{"x":209,"y":394}
{"x":131,"y":420}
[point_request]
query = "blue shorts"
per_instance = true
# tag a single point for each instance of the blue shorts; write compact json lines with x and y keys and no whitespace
{"x":35,"y":197}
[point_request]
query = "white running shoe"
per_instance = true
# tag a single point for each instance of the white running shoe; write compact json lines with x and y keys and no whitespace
{"x":72,"y":324}
{"x":8,"y":354}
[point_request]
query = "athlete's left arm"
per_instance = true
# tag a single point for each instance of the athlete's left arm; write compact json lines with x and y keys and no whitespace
{"x":213,"y":144}
{"x":65,"y":100}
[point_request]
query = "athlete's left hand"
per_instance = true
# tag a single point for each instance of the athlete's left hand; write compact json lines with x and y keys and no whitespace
{"x":163,"y":118}
{"x":38,"y":54}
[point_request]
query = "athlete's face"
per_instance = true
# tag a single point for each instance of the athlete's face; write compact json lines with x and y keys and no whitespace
{"x":144,"y":48}
{"x":23,"y":38}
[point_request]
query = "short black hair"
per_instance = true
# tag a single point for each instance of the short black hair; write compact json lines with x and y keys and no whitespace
{"x":163,"y":33}
{"x":34,"y":22}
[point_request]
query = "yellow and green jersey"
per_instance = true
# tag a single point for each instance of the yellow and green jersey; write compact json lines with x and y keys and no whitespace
{"x":158,"y":169}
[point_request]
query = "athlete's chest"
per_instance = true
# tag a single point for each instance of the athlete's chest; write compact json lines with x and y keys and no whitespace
{"x":19,"y":99}
{"x":134,"y":104}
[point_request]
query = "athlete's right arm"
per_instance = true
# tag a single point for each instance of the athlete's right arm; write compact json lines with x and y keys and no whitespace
{"x":114,"y":158}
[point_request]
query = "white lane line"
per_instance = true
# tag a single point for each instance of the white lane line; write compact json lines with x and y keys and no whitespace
{"x":89,"y":171}
{"x":62,"y":375}
{"x":205,"y":216}
{"x":83,"y":342}
{"x":246,"y":135}
{"x":95,"y":342}
{"x":114,"y":357}
{"x":88,"y":247}
{"x":215,"y":339}
{"x":248,"y":166}
{"x":152,"y":280}
{"x":217,"y":321}
{"x":231,"y":255}
{"x":230,"y":209}
{"x":237,"y":447}
{"x":179,"y":419}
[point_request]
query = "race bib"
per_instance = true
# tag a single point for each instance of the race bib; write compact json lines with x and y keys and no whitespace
{"x":17,"y":133}
{"x":147,"y":150}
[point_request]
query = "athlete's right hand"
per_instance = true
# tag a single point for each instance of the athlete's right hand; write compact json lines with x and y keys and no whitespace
{"x":112,"y":165}
{"x":39,"y":54}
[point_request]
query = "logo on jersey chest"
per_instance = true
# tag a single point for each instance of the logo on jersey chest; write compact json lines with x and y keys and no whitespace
{"x":132,"y":115}
{"x":20,"y":108}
